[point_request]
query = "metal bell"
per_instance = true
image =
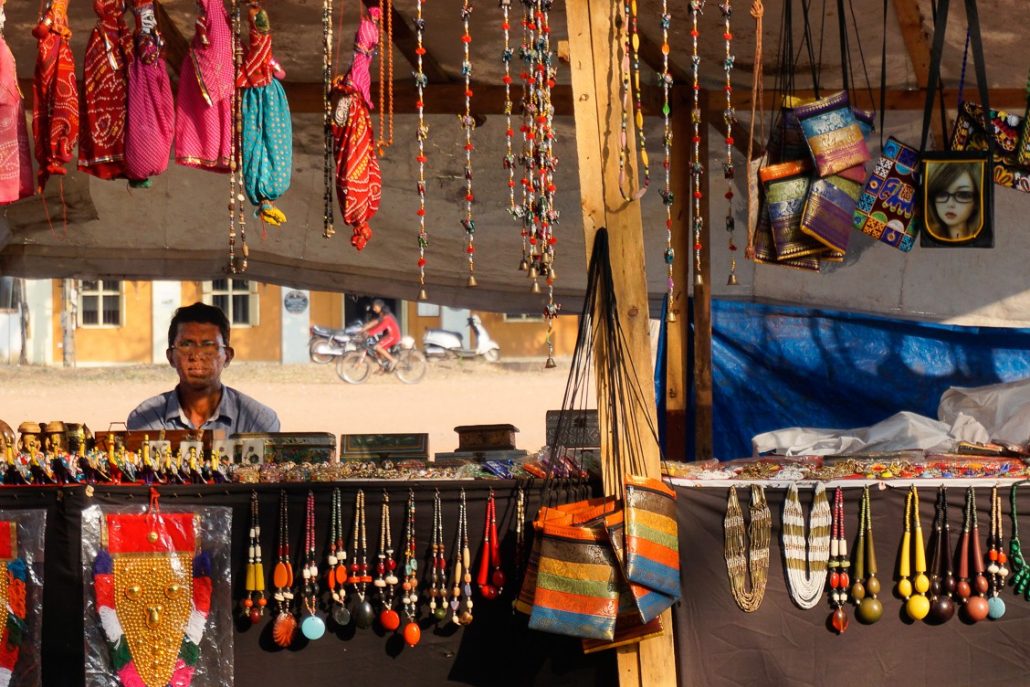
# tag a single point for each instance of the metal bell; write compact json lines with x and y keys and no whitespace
{"x":524,"y":265}
{"x":732,"y":280}
{"x":533,"y":274}
{"x":670,"y":317}
{"x":536,"y":286}
{"x":550,"y":364}
{"x":471,"y":283}
{"x":422,"y":295}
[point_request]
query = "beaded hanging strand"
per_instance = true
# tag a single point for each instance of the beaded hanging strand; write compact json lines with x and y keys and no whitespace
{"x":327,"y":119}
{"x":468,"y":124}
{"x":385,"y":139}
{"x":438,"y":587}
{"x":336,"y":576}
{"x":461,"y":583}
{"x":285,"y":626}
{"x":696,"y":164}
{"x":665,"y":23}
{"x":237,"y":220}
{"x":997,"y":569}
{"x":527,"y":211}
{"x":633,"y":45}
{"x":386,"y":570}
{"x":1020,"y":569}
{"x":866,"y":586}
{"x":976,"y":606}
{"x":840,"y":581}
{"x":917,"y":606}
{"x":421,"y":135}
{"x":312,"y":626}
{"x":729,"y":119}
{"x":359,"y":577}
{"x":412,"y":632}
{"x":942,"y":578}
{"x":508,"y":161}
{"x":806,"y":566}
{"x":520,"y":536}
{"x":254,"y":602}
{"x":753,"y":558}
{"x":548,"y":211}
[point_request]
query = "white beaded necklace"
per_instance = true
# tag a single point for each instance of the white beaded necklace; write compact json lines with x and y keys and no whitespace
{"x":806,"y":566}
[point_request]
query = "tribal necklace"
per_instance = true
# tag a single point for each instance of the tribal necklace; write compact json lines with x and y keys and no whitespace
{"x":421,"y":135}
{"x":996,"y":554}
{"x":976,"y":607}
{"x":336,"y":576}
{"x":312,"y":626}
{"x":729,"y":118}
{"x":942,"y":577}
{"x":412,"y":632}
{"x":866,"y":586}
{"x":806,"y":568}
{"x":468,"y":124}
{"x":741,"y":563}
{"x":359,"y":577}
{"x":490,"y":577}
{"x":1021,"y":578}
{"x":285,"y":626}
{"x":438,"y":586}
{"x":461,"y":583}
{"x":386,"y":569}
{"x":254,"y":602}
{"x":839,"y":564}
{"x":917,"y":606}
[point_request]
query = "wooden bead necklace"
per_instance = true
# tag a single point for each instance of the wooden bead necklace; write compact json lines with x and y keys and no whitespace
{"x":866,"y":586}
{"x":461,"y":582}
{"x":386,"y":570}
{"x":468,"y":124}
{"x":917,"y":606}
{"x":696,"y":164}
{"x":421,"y":135}
{"x":752,"y":561}
{"x":438,"y":586}
{"x":1020,"y":569}
{"x":490,"y":577}
{"x":327,"y":120}
{"x":840,"y":580}
{"x":362,"y":609}
{"x":285,"y":626}
{"x":665,"y":23}
{"x":942,"y":577}
{"x":729,"y":118}
{"x":336,"y":575}
{"x":806,"y":566}
{"x":975,"y":606}
{"x":254,"y":602}
{"x":312,"y":626}
{"x":997,"y":568}
{"x":412,"y":632}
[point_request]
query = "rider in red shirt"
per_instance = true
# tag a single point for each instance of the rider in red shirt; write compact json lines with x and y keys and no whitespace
{"x":386,"y":324}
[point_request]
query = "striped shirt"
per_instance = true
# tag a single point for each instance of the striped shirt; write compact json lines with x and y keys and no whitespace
{"x":236,"y":412}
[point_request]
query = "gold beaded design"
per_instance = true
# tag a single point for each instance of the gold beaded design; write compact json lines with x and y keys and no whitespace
{"x":153,"y":599}
{"x":739,"y":561}
{"x":5,"y":586}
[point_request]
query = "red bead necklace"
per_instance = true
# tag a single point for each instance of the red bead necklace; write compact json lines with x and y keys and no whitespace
{"x":412,"y":632}
{"x":386,"y":570}
{"x":490,"y":577}
{"x":438,"y":585}
{"x":840,"y":581}
{"x":976,"y":607}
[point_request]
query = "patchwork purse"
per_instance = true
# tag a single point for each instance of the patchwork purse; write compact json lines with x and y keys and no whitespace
{"x":832,"y":134}
{"x":830,"y":208}
{"x":971,"y":134}
{"x":786,"y":189}
{"x":887,"y":208}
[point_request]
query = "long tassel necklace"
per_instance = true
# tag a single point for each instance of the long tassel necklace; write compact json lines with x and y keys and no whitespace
{"x":696,"y":164}
{"x":866,"y":586}
{"x":1020,"y":569}
{"x":976,"y":607}
{"x":942,"y":577}
{"x":468,"y":124}
{"x":254,"y":602}
{"x":740,"y":561}
{"x":665,"y":23}
{"x":412,"y":632}
{"x":840,"y":581}
{"x":312,"y":626}
{"x":461,"y":583}
{"x":327,"y":120}
{"x":806,"y":568}
{"x":438,"y":587}
{"x":490,"y":577}
{"x":237,"y":220}
{"x":285,"y":626}
{"x":729,"y":119}
{"x":996,"y":554}
{"x":336,"y":575}
{"x":917,"y":606}
{"x":421,"y":135}
{"x":386,"y":570}
{"x":359,"y":577}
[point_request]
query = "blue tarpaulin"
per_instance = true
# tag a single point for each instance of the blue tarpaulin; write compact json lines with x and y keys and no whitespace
{"x":780,"y":366}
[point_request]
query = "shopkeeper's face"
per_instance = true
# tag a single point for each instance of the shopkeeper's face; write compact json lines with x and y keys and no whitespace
{"x":199,"y":355}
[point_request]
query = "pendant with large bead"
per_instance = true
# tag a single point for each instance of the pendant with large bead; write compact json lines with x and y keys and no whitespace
{"x":839,"y":620}
{"x":995,"y":607}
{"x":389,"y":619}
{"x":412,"y":633}
{"x":363,"y":614}
{"x":341,"y":615}
{"x":312,"y":627}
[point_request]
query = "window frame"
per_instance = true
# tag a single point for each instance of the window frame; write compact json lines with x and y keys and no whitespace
{"x":100,"y":292}
{"x":253,"y":300}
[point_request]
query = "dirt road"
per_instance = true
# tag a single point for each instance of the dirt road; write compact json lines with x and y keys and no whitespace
{"x":308,"y":397}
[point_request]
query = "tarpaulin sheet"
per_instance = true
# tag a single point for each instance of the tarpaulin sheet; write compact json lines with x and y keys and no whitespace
{"x":780,"y":366}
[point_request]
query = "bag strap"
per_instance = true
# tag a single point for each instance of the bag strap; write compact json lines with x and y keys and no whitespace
{"x":939,"y":26}
{"x":883,"y":75}
{"x":815,"y":65}
{"x":845,"y":51}
{"x":973,"y":14}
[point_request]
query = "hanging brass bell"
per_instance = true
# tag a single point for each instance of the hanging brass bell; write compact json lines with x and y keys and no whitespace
{"x":524,"y":265}
{"x":670,"y":317}
{"x":732,"y":280}
{"x":536,"y":287}
{"x":550,"y":364}
{"x":533,"y":274}
{"x":471,"y":283}
{"x":422,"y":295}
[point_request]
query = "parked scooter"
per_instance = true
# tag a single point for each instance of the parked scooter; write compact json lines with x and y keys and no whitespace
{"x":326,"y":345}
{"x":441,"y":343}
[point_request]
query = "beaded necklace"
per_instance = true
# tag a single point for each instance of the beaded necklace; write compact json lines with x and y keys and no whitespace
{"x":913,"y":591}
{"x":468,"y":124}
{"x":385,"y":139}
{"x":665,"y":23}
{"x":312,"y":626}
{"x":336,"y":576}
{"x":327,"y":119}
{"x":421,"y":135}
{"x":386,"y":570}
{"x":490,"y":577}
{"x":548,"y":213}
{"x":631,"y":99}
{"x":237,"y":220}
{"x":461,"y":583}
{"x":996,"y":554}
{"x":739,"y":562}
{"x":976,"y":607}
{"x":285,"y":626}
{"x":806,"y":567}
{"x":438,"y":586}
{"x":866,"y":586}
{"x":942,"y":578}
{"x":508,"y":161}
{"x":839,"y":564}
{"x":362,"y":609}
{"x":527,"y":210}
{"x":729,"y":118}
{"x":412,"y":632}
{"x":254,"y":602}
{"x":697,"y":165}
{"x":1021,"y":577}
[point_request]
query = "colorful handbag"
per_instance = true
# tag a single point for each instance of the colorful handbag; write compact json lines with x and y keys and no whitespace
{"x":887,"y":208}
{"x":13,"y":610}
{"x":765,"y":251}
{"x":830,"y":208}
{"x":970,"y":134}
{"x":786,"y":188}
{"x":786,"y":139}
{"x":1023,"y":156}
{"x":833,"y":134}
{"x":652,"y":536}
{"x":639,"y":602}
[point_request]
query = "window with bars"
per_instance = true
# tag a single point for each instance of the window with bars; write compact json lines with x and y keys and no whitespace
{"x":238,"y":299}
{"x":522,"y":317}
{"x":100,"y":303}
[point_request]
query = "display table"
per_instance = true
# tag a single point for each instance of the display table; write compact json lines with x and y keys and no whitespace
{"x":495,"y":649}
{"x":780,"y":644}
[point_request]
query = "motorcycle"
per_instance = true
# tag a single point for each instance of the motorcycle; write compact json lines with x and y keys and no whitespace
{"x":355,"y":366}
{"x":441,"y":343}
{"x":326,"y":345}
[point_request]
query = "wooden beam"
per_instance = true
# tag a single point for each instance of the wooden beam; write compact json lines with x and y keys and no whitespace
{"x":176,"y":45}
{"x":916,"y":37}
{"x":406,"y":41}
{"x":703,"y":388}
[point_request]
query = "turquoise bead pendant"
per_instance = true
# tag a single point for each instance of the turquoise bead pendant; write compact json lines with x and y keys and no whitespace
{"x":995,"y":607}
{"x":312,"y":627}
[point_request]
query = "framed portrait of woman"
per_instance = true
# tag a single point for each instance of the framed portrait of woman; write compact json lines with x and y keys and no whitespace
{"x":956,"y":201}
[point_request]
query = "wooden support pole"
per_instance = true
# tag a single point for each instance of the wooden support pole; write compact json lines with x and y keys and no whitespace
{"x":594,"y":63}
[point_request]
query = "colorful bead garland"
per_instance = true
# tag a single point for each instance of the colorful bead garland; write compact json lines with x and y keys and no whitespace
{"x":665,"y":23}
{"x":421,"y":135}
{"x":468,"y":125}
{"x":696,"y":164}
{"x":729,"y":119}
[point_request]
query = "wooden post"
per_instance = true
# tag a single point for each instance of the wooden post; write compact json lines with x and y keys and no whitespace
{"x":594,"y":61}
{"x":703,"y":447}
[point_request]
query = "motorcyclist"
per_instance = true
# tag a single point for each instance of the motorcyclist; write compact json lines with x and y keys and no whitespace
{"x":383,"y":322}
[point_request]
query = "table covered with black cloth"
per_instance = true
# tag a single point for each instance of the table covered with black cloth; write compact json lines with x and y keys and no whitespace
{"x":496,"y":649}
{"x":780,"y":644}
